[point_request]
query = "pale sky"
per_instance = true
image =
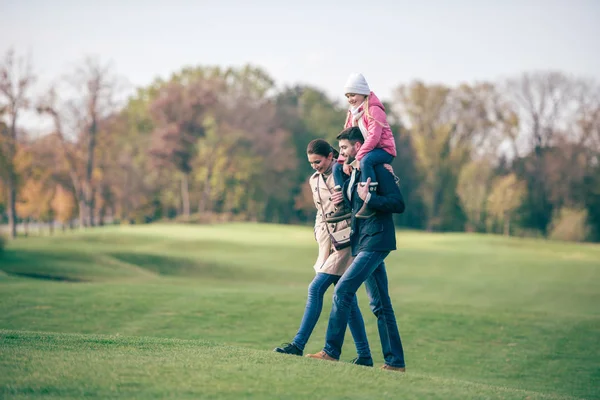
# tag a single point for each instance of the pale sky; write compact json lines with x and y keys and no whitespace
{"x":307,"y":41}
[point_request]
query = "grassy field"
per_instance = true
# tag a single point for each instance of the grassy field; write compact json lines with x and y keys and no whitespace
{"x":171,"y":311}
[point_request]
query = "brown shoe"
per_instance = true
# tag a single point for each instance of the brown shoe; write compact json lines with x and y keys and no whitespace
{"x":390,"y":368}
{"x":322,"y":356}
{"x":365,"y":212}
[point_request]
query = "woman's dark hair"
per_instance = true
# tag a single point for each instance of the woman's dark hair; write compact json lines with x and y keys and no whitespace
{"x":322,"y":148}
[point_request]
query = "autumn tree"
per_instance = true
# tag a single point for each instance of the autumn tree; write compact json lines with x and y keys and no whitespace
{"x":64,"y":206}
{"x":178,"y":113}
{"x":126,"y":161}
{"x":77,"y":107}
{"x":473,"y":188}
{"x":505,"y":198}
{"x":542,"y":102}
{"x":248,"y":107}
{"x":16,"y":79}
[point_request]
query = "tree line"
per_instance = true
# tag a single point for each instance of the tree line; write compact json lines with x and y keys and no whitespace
{"x":518,"y":156}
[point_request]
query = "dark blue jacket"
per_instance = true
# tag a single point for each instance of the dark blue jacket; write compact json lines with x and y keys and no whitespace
{"x":376,"y":233}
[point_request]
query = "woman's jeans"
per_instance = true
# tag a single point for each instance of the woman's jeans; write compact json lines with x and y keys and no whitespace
{"x":367,"y":267}
{"x":314,"y":305}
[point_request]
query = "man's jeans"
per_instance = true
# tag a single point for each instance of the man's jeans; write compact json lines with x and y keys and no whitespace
{"x":368,"y":267}
{"x":314,"y":305}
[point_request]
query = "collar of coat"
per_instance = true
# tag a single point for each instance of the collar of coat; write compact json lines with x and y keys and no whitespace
{"x":316,"y":175}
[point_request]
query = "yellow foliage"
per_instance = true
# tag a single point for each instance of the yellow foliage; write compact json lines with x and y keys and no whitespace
{"x":34,"y":200}
{"x":569,"y":224}
{"x":506,"y":196}
{"x":473,"y":189}
{"x":64,"y":205}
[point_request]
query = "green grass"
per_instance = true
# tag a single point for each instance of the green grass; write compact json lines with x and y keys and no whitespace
{"x":168,"y":311}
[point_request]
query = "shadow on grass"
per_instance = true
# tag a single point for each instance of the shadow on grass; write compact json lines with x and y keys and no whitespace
{"x":176,"y":266}
{"x":49,"y":265}
{"x":45,"y":277}
{"x":62,"y":265}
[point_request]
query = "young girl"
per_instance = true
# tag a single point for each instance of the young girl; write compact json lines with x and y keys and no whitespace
{"x":368,"y":113}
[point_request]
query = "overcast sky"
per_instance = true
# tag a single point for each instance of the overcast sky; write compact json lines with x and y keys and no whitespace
{"x":313,"y":42}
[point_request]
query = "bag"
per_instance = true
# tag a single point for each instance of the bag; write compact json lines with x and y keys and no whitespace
{"x":340,"y":239}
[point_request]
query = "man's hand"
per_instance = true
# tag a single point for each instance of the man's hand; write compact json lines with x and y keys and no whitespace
{"x":347,"y":169}
{"x":363,"y":191}
{"x":337,"y":198}
{"x":389,"y":168}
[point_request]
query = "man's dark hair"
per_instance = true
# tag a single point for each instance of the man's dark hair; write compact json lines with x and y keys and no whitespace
{"x":352,"y":134}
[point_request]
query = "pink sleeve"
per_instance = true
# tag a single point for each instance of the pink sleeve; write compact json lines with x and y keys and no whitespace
{"x":375,"y":129}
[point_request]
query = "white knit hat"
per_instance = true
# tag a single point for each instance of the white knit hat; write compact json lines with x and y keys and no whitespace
{"x":357,"y":84}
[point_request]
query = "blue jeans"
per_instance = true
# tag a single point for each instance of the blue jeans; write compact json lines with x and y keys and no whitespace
{"x":368,"y":267}
{"x":338,"y":174}
{"x":314,"y":305}
{"x":372,"y":158}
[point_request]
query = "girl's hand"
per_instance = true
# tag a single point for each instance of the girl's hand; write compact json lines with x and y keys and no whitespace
{"x":337,"y":198}
{"x":347,"y":169}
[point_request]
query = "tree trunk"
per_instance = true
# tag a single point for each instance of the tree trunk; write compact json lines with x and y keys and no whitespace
{"x":12,"y":209}
{"x":205,"y":197}
{"x":101,"y":215}
{"x":89,"y":191}
{"x":185,"y":195}
{"x":12,"y":177}
{"x":506,"y":225}
{"x":82,"y":212}
{"x":92,"y":208}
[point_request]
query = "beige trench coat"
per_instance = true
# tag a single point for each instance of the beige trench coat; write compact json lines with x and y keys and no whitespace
{"x":329,"y":261}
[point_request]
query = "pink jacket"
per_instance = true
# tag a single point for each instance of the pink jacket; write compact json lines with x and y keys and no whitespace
{"x":379,"y":137}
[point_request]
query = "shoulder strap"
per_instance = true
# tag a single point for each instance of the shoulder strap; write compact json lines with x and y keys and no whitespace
{"x":321,"y":201}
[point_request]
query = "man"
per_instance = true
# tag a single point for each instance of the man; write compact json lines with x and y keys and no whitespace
{"x":372,"y":240}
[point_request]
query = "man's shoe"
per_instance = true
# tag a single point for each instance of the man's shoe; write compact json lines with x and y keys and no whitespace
{"x":341,"y":213}
{"x":365,"y":212}
{"x":288,"y":348}
{"x":322,"y":356}
{"x":390,"y":368}
{"x":364,"y":361}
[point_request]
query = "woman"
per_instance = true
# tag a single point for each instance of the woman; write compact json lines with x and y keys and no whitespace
{"x":331,"y":263}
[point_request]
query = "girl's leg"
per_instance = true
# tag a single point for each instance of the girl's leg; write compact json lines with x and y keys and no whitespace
{"x":372,"y":158}
{"x":338,"y":174}
{"x":342,"y":211}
